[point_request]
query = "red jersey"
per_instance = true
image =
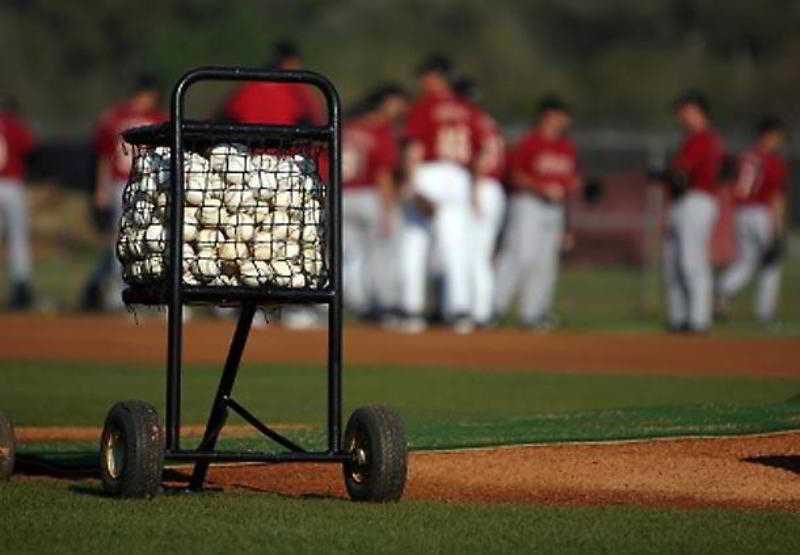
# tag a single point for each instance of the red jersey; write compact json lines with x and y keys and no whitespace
{"x":492,"y":161}
{"x":446,"y":127}
{"x":16,"y":142}
{"x":700,"y":158}
{"x":108,"y":135}
{"x":761,"y":176}
{"x":548,"y":162}
{"x":274,"y":103}
{"x":368,"y":149}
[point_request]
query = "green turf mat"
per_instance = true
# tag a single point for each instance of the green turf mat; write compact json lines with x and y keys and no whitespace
{"x":590,"y":425}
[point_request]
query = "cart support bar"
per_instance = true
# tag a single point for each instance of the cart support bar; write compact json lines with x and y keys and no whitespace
{"x":216,"y":419}
{"x":258,"y":425}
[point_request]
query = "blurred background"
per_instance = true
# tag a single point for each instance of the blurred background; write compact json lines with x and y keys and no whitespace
{"x":618,"y":62}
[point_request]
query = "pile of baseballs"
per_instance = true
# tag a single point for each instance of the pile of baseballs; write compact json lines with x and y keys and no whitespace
{"x":250,"y":219}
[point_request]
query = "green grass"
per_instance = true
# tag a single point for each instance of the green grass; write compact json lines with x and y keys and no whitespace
{"x":43,"y":517}
{"x":443,"y":408}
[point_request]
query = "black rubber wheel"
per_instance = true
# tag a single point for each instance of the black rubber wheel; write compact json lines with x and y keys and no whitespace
{"x":8,"y":447}
{"x":376,"y":439}
{"x":132,"y":450}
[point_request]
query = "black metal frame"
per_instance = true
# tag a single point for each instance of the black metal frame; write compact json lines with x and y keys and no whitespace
{"x":177,"y":294}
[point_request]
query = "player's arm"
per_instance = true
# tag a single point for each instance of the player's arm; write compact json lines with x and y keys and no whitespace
{"x":387,"y":193}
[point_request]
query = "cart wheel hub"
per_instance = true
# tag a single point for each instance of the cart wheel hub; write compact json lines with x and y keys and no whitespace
{"x":115,"y":454}
{"x":360,"y":457}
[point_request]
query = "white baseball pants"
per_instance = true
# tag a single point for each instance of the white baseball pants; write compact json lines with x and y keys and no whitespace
{"x":529,"y":258}
{"x":484,"y":229}
{"x":753,"y":237}
{"x":687,"y":264}
{"x":14,"y":221}
{"x":369,"y":258}
{"x":447,"y":186}
{"x":109,"y":269}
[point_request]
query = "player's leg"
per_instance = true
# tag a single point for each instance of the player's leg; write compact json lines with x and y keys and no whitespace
{"x":485,"y":228}
{"x":14,"y":204}
{"x":539,"y":289}
{"x":676,"y":295}
{"x":113,"y":297}
{"x":451,"y":227}
{"x":769,"y":276}
{"x":354,"y":244}
{"x":386,"y":264}
{"x":748,"y":250}
{"x":375,"y":274}
{"x":516,"y":251}
{"x":415,"y":242}
{"x":695,"y":235}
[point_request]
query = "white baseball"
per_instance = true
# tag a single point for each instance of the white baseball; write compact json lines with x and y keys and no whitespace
{"x":241,"y":226}
{"x":236,"y":170}
{"x":266,"y":162}
{"x":142,"y":211}
{"x":262,"y":183}
{"x":190,"y":230}
{"x":137,"y":243}
{"x":262,"y":213}
{"x":222,"y":155}
{"x":154,"y":266}
{"x":194,"y":197}
{"x":212,"y":216}
{"x":207,"y":238}
{"x":233,"y":251}
{"x":286,"y":249}
{"x":206,"y":265}
{"x":282,"y":273}
{"x":239,"y":200}
{"x":189,"y":278}
{"x":155,"y":237}
{"x":278,"y":224}
{"x":254,"y":272}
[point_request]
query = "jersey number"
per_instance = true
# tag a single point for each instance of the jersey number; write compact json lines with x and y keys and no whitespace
{"x":452,"y":143}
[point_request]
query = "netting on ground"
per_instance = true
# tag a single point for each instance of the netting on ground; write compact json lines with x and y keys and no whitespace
{"x":253,"y":216}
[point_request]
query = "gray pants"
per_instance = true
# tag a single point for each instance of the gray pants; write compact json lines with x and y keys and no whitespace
{"x":753,"y":236}
{"x":687,"y":265}
{"x":529,"y":257}
{"x":108,"y":271}
{"x":14,"y":221}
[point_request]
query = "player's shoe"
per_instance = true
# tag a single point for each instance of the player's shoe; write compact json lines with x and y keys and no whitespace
{"x":21,"y":296}
{"x":545,"y":323}
{"x":413,"y":324}
{"x":463,"y":326}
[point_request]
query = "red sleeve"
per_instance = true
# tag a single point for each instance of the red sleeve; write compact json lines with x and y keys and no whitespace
{"x":103,"y":142}
{"x":782,"y":177}
{"x":519,"y":159}
{"x":416,"y":124}
{"x":386,"y":156}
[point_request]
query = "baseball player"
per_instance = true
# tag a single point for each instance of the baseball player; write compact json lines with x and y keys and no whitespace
{"x":15,"y":143}
{"x":103,"y":291}
{"x":442,"y":134}
{"x":369,"y":158}
{"x":692,"y":176}
{"x":281,"y":104}
{"x":490,"y":204}
{"x":275,"y":103}
{"x":544,"y":172}
{"x":760,"y":196}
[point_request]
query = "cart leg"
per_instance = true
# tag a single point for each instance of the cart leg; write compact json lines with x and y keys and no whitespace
{"x":219,"y":410}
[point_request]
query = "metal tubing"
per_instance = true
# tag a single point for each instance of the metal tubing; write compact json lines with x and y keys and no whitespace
{"x":335,"y":305}
{"x":258,"y":425}
{"x":216,"y":420}
{"x":245,"y":456}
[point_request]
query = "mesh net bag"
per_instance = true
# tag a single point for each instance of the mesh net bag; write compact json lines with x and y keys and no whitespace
{"x":254,"y":217}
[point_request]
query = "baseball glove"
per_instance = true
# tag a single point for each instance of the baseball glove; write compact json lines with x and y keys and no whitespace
{"x":103,"y":218}
{"x":774,"y":252}
{"x":593,"y":190}
{"x":676,"y":181}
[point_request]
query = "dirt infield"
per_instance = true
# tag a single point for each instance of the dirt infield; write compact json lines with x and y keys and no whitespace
{"x":118,"y":339}
{"x":746,"y":472}
{"x":753,"y":472}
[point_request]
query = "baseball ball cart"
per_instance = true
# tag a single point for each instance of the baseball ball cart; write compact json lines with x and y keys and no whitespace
{"x":8,"y":445}
{"x":261,"y":213}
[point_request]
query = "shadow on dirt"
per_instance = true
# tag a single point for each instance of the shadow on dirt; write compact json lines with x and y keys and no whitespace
{"x":784,"y":462}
